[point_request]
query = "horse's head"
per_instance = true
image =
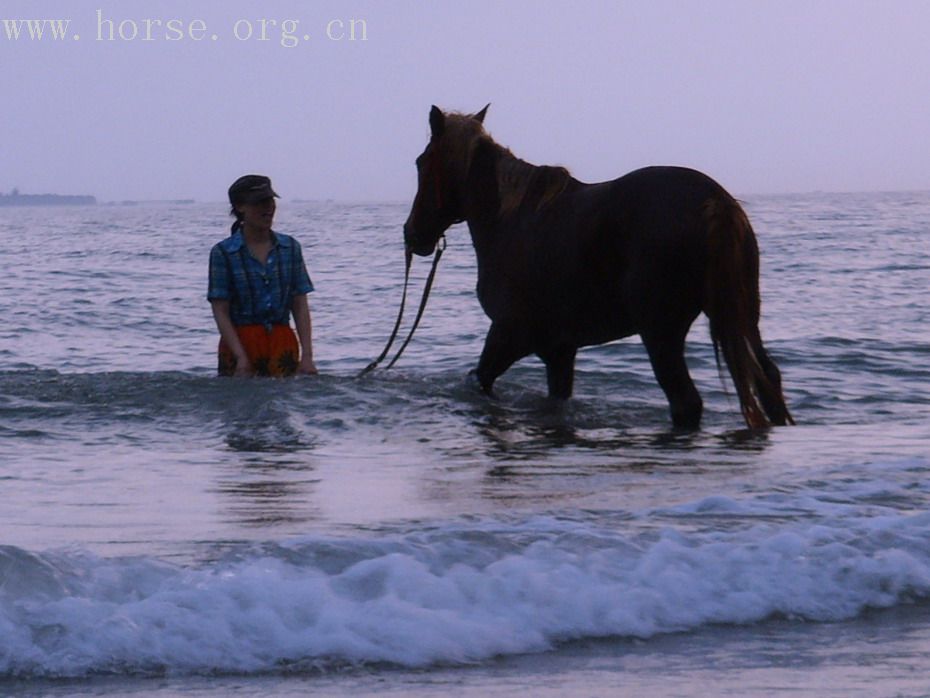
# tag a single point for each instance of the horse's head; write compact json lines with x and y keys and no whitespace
{"x":441,"y":170}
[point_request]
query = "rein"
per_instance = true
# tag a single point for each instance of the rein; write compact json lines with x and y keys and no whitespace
{"x":440,"y":248}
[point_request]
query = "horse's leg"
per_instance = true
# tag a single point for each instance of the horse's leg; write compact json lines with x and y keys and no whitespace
{"x":502,"y":347}
{"x":667,"y":354}
{"x":560,"y":371}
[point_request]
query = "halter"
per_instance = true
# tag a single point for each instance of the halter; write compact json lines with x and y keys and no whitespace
{"x":434,"y":165}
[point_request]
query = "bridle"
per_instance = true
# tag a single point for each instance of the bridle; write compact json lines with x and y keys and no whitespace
{"x":434,"y":165}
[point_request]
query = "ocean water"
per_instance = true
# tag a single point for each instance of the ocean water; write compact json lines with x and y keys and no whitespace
{"x":164,"y":532}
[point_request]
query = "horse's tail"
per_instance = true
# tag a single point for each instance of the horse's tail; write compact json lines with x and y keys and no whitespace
{"x":731,"y":301}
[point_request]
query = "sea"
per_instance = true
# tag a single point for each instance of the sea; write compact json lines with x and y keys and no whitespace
{"x":165,"y":532}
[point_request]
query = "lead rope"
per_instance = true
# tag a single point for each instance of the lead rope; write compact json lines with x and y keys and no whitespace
{"x":400,"y":314}
{"x":440,"y":248}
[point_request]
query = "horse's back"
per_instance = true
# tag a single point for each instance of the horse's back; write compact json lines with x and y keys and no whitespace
{"x":668,"y":174}
{"x":665,"y":192}
{"x":605,"y":258}
{"x":654,"y":223}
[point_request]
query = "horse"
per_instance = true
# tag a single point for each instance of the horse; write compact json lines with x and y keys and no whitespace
{"x":564,"y":264}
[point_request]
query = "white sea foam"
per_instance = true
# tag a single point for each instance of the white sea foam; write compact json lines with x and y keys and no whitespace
{"x":454,"y":595}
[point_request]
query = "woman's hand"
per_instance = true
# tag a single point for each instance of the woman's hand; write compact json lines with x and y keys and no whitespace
{"x":243,"y":367}
{"x":307,"y":367}
{"x":301,"y":310}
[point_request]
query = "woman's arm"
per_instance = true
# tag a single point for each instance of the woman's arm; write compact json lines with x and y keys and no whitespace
{"x":300,"y":307}
{"x":228,"y":332}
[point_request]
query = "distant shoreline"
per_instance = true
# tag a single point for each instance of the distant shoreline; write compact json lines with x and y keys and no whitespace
{"x":17,"y":199}
{"x":142,"y":202}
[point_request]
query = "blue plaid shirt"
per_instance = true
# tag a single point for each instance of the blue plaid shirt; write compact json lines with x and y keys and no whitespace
{"x":258,"y":294}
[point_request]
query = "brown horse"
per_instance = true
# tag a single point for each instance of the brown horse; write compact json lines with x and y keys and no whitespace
{"x":563,"y":264}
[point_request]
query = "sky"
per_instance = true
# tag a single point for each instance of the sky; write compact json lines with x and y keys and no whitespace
{"x":779,"y":96}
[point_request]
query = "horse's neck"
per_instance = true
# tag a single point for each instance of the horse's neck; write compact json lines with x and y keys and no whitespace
{"x":498,"y":186}
{"x":512,"y":175}
{"x":525,"y":189}
{"x":504,"y":190}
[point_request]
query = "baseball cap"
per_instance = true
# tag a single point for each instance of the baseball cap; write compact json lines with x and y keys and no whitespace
{"x":250,"y":189}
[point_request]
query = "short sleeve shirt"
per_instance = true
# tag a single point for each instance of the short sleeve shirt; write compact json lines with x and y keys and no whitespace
{"x":258,"y":294}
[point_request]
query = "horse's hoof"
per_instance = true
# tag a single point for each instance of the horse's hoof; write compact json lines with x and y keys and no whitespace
{"x":474,"y":382}
{"x":687,"y":422}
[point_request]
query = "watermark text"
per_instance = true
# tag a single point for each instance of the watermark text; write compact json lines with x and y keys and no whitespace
{"x":286,"y":32}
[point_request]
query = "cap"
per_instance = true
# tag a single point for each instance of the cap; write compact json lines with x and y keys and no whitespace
{"x":250,"y":189}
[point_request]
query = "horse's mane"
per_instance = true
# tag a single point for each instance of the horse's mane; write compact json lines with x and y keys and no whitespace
{"x":520,"y":185}
{"x":529,"y":187}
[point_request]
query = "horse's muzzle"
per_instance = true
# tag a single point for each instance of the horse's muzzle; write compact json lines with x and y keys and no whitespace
{"x":415,"y":246}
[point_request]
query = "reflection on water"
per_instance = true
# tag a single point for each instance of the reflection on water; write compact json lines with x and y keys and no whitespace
{"x":399,"y":445}
{"x":267,"y":439}
{"x":268,"y":494}
{"x":594,"y":431}
{"x":267,"y":482}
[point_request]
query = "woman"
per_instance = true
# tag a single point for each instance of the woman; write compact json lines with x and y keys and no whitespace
{"x":257,"y":281}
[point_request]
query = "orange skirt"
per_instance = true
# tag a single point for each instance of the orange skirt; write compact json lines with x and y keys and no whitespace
{"x":274,"y":353}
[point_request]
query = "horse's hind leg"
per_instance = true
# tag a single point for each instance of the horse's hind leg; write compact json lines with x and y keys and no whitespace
{"x":667,"y":354}
{"x":560,"y":371}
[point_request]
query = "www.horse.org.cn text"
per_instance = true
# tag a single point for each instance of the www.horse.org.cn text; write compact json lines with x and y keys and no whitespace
{"x":286,"y":32}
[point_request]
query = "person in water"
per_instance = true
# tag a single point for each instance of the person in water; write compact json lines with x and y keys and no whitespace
{"x":258,"y":279}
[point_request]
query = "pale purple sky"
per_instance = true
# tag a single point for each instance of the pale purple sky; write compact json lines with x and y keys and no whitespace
{"x":767,"y":96}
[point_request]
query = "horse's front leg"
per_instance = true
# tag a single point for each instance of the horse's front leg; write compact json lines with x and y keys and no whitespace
{"x":560,"y":371}
{"x":504,"y":345}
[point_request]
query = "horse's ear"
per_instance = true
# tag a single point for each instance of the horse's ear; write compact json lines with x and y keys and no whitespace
{"x":479,"y":117}
{"x":437,"y":121}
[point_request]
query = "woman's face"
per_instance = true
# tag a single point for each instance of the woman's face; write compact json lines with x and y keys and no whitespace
{"x":258,"y":215}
